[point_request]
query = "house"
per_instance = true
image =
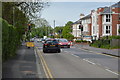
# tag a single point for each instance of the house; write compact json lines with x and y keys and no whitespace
{"x":104,"y":21}
{"x":94,"y":25}
{"x":86,"y":23}
{"x":109,"y":20}
{"x":76,"y":32}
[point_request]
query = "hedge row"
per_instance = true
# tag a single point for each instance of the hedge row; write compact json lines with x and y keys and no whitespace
{"x":79,"y":41}
{"x":10,"y":40}
{"x":104,"y":42}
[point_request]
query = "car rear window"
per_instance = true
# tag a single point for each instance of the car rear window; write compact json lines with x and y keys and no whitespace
{"x":52,"y":41}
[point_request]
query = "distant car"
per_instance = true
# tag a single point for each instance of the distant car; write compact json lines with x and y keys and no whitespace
{"x":30,"y":44}
{"x":42,"y":40}
{"x":64,"y":43}
{"x":51,"y":45}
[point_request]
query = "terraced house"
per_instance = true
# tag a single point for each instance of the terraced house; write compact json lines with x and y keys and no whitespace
{"x":109,"y":20}
{"x":104,"y":21}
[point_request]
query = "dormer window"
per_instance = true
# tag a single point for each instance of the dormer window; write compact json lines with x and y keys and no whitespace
{"x":107,"y":17}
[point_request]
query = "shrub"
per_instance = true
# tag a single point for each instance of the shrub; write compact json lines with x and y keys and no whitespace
{"x":10,"y":40}
{"x":105,"y":42}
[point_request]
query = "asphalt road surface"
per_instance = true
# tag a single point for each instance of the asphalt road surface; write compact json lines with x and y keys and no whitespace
{"x":76,"y":63}
{"x":70,"y":63}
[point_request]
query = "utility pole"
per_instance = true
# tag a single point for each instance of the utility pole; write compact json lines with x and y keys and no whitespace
{"x":54,"y":29}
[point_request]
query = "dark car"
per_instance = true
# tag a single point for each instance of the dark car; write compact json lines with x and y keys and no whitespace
{"x":64,"y":43}
{"x":51,"y":45}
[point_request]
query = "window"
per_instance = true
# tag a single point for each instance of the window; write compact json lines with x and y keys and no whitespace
{"x":119,"y":17}
{"x":108,"y":18}
{"x":107,"y":29}
{"x":118,"y":29}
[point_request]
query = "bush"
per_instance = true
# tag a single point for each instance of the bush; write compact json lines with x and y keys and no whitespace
{"x":10,"y":40}
{"x":79,"y":41}
{"x":105,"y":42}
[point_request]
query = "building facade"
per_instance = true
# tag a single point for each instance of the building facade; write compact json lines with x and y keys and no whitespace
{"x":104,"y":21}
{"x":76,"y":32}
{"x":86,"y":23}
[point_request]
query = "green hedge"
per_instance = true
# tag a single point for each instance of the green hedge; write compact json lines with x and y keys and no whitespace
{"x":104,"y":42}
{"x":79,"y":41}
{"x":10,"y":40}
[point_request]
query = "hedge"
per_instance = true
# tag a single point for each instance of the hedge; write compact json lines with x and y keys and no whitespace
{"x":104,"y":42}
{"x":10,"y":40}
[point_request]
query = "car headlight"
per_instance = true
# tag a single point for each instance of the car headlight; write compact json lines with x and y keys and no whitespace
{"x":68,"y":43}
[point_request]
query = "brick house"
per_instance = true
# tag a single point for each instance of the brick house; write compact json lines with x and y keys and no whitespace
{"x":104,"y":21}
{"x":109,"y":20}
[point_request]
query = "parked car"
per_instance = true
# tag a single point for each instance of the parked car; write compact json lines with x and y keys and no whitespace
{"x":30,"y":44}
{"x":51,"y":45}
{"x":64,"y":43}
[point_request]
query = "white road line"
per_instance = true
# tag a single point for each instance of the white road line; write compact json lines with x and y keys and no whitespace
{"x":89,"y":61}
{"x":112,"y":71}
{"x":61,"y":50}
{"x":74,"y":55}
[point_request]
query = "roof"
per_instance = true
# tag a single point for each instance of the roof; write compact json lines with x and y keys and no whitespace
{"x":108,"y":9}
{"x":77,"y":22}
{"x":86,"y":17}
{"x":116,"y":5}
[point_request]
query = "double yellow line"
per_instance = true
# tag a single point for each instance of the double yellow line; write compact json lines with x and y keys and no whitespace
{"x":45,"y":66}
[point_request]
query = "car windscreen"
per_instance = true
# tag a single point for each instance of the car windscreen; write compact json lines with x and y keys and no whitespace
{"x":63,"y":40}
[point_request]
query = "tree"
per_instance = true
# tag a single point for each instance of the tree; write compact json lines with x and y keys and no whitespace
{"x":66,"y":33}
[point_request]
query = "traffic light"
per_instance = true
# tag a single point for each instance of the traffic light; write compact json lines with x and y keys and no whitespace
{"x":81,"y":27}
{"x":29,"y":26}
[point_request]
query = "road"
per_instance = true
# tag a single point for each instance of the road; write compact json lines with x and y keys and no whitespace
{"x":77,"y":63}
{"x":70,"y":63}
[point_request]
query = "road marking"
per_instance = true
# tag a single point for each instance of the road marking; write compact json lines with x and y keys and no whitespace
{"x":112,"y":71}
{"x":89,"y":61}
{"x":99,"y":53}
{"x":45,"y":67}
{"x":74,"y":55}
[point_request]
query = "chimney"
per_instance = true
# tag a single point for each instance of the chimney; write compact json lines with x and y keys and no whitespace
{"x":81,"y":15}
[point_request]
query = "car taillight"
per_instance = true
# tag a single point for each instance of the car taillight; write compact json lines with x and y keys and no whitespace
{"x":58,"y":44}
{"x":45,"y":44}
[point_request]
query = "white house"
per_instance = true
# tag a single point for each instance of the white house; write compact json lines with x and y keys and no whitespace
{"x":76,"y":32}
{"x":86,"y":23}
{"x":94,"y":25}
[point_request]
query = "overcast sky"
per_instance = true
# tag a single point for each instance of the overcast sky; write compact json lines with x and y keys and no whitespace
{"x":62,"y":12}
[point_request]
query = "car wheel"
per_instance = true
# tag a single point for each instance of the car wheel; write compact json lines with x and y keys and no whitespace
{"x":28,"y":47}
{"x":59,"y":51}
{"x":68,"y":46}
{"x":44,"y":51}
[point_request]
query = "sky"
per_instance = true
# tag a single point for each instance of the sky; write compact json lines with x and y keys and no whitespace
{"x":62,"y":12}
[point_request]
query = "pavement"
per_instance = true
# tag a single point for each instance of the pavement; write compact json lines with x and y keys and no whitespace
{"x":23,"y":65}
{"x":112,"y":52}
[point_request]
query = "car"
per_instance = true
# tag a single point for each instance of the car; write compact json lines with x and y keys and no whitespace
{"x":30,"y":44}
{"x":64,"y":43}
{"x":42,"y":40}
{"x":51,"y":45}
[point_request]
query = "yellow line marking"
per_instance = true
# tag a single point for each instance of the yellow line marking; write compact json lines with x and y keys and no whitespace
{"x":45,"y":67}
{"x":100,"y":53}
